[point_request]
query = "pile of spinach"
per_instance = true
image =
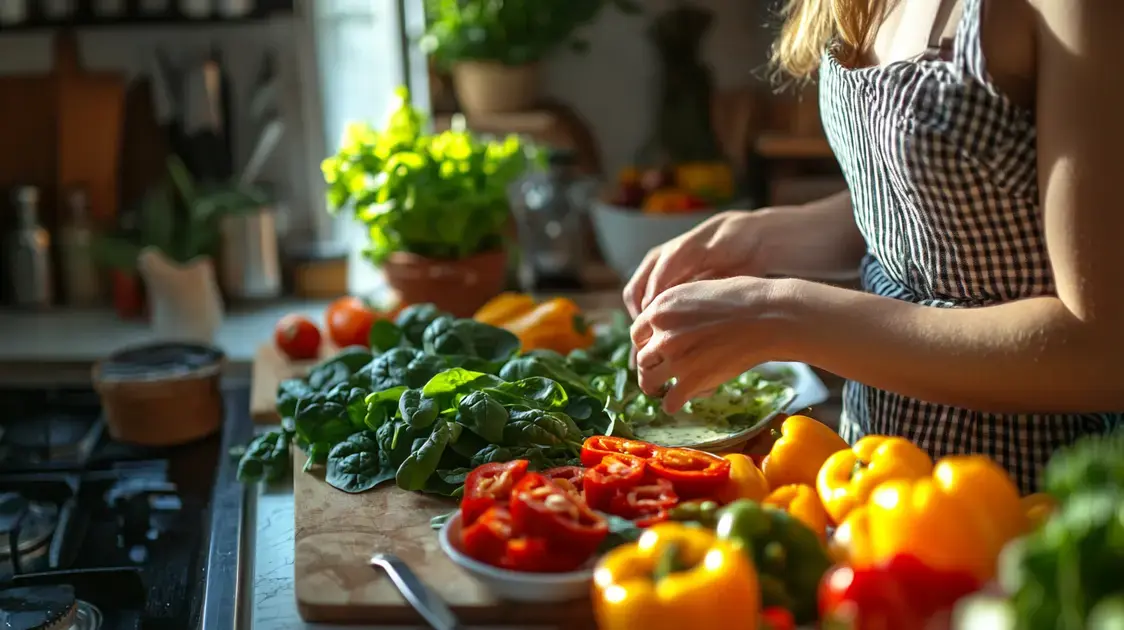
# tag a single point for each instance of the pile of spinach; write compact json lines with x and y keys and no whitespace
{"x":435,"y":396}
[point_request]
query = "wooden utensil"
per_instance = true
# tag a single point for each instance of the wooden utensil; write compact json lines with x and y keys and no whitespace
{"x":336,"y":534}
{"x":90,"y":113}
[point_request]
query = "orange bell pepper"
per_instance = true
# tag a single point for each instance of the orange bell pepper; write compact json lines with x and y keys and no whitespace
{"x":746,"y":481}
{"x":802,"y":502}
{"x":504,"y":308}
{"x":957,"y":519}
{"x":848,"y":477}
{"x":803,"y":445}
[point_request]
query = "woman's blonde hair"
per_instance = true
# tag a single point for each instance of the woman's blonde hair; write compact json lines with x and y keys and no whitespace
{"x":810,"y":26}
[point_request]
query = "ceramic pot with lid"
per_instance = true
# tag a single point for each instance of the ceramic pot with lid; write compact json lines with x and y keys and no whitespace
{"x":161,"y":394}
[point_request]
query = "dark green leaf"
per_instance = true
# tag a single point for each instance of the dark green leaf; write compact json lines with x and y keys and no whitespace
{"x":385,"y":335}
{"x":482,"y":414}
{"x":356,"y":465}
{"x":419,"y":466}
{"x":417,"y":410}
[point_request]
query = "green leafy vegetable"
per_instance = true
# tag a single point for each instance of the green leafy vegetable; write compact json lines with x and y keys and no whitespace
{"x":417,"y":410}
{"x":266,"y":458}
{"x":423,"y":460}
{"x":484,"y":415}
{"x":355,"y":465}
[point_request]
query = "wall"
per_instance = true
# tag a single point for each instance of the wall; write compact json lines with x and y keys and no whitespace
{"x":613,"y":86}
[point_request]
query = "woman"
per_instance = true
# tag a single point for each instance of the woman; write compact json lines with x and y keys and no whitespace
{"x":980,"y":140}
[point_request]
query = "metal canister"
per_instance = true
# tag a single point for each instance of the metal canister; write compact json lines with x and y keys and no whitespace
{"x":29,"y":254}
{"x":250,"y":264}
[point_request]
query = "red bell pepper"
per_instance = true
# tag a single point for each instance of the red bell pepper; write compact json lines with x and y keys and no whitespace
{"x":779,"y":618}
{"x":540,"y":508}
{"x":568,"y":477}
{"x":693,"y":473}
{"x":615,"y":473}
{"x":651,"y":519}
{"x":536,"y":555}
{"x":900,"y":593}
{"x":486,"y":539}
{"x":489,"y":485}
{"x":598,"y":446}
{"x":646,"y":499}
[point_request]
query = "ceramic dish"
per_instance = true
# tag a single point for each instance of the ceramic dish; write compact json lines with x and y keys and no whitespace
{"x":516,"y":586}
{"x":806,"y":390}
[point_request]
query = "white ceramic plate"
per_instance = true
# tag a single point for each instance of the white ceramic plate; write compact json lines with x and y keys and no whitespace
{"x":516,"y":586}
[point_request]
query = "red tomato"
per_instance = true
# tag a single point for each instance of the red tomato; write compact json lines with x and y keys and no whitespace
{"x":349,"y":322}
{"x":297,"y":337}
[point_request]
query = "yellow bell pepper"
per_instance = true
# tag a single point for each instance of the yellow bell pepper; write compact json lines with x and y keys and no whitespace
{"x":746,"y":481}
{"x":802,"y":502}
{"x":709,"y":179}
{"x":674,"y":577}
{"x":670,"y":200}
{"x":850,"y":542}
{"x":803,"y":445}
{"x":848,"y":477}
{"x":957,"y":519}
{"x":504,"y":308}
{"x":1038,"y":507}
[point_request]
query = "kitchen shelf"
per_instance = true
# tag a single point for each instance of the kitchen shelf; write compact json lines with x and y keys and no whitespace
{"x":85,"y":18}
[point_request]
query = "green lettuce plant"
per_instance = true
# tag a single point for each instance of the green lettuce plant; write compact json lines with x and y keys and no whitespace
{"x":511,"y":32}
{"x":442,"y":196}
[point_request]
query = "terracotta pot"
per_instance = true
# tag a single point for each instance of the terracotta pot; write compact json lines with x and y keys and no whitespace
{"x":485,"y":87}
{"x":457,"y":286}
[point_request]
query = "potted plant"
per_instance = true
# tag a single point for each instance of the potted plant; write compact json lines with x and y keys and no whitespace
{"x":435,"y":205}
{"x":172,"y":249}
{"x":493,"y":47}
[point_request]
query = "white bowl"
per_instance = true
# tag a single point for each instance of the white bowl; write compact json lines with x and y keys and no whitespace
{"x":516,"y":586}
{"x":625,"y":234}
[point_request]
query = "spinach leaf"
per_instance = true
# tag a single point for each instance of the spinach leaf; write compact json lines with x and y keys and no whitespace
{"x":621,"y":531}
{"x":396,"y":439}
{"x":539,"y":458}
{"x":414,"y":319}
{"x":381,"y":406}
{"x":356,"y":465}
{"x":325,"y":417}
{"x":449,"y":385}
{"x":449,"y":336}
{"x":266,"y":458}
{"x":416,"y":410}
{"x":527,"y":426}
{"x":317,"y":455}
{"x":468,"y":444}
{"x":424,"y":367}
{"x":385,"y":336}
{"x":387,"y":371}
{"x":288,"y":393}
{"x":422,"y":462}
{"x":338,"y":369}
{"x":535,"y":391}
{"x":549,"y":365}
{"x":483,"y":415}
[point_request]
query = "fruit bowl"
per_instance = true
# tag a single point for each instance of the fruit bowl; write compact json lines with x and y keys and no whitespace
{"x":626,"y":234}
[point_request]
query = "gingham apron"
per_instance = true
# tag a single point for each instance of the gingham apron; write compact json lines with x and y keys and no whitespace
{"x":943,"y":178}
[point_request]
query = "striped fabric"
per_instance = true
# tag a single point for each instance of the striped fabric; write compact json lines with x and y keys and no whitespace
{"x":942,"y":172}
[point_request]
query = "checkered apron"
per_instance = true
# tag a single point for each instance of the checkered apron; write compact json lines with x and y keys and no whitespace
{"x":943,"y":178}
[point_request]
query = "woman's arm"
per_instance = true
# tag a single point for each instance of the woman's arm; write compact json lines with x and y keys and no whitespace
{"x":816,"y":240}
{"x":1047,"y":354}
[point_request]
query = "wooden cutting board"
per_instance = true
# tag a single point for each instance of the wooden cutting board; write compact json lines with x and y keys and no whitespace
{"x":336,"y":533}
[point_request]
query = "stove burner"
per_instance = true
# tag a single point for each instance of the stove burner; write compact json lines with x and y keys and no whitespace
{"x":51,"y":438}
{"x":38,"y":608}
{"x":86,"y":617}
{"x":25,"y":532}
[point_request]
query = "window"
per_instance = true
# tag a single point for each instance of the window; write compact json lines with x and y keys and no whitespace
{"x":361,"y":56}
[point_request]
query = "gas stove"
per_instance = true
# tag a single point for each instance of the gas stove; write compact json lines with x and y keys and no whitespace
{"x":95,"y":534}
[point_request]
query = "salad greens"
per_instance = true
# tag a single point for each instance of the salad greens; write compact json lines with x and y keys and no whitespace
{"x":436,"y":396}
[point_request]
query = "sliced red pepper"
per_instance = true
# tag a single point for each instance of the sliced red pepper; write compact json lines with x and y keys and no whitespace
{"x":616,"y":472}
{"x":693,"y":473}
{"x":929,"y":590}
{"x":649,"y":497}
{"x":489,"y":485}
{"x":865,"y":599}
{"x":540,"y":508}
{"x":534,"y":554}
{"x":778,"y":618}
{"x":486,"y":539}
{"x":651,"y":519}
{"x":568,"y":477}
{"x":598,"y":446}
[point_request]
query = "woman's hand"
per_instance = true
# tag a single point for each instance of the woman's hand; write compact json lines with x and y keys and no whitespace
{"x":727,"y":244}
{"x":815,"y":240}
{"x":705,"y":333}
